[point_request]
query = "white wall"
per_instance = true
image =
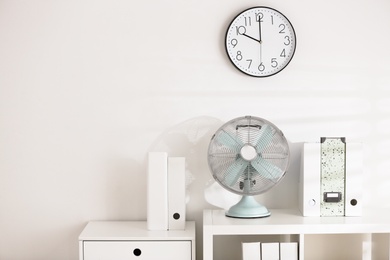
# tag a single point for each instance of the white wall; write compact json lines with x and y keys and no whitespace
{"x":88,"y":88}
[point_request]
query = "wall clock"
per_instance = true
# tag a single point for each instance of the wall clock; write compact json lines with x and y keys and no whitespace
{"x":260,"y":41}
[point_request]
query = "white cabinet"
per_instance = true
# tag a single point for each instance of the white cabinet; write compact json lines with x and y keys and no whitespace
{"x":318,"y":237}
{"x":127,"y":240}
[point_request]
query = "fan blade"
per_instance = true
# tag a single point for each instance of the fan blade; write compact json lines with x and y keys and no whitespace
{"x":229,"y":141}
{"x":266,"y":169}
{"x":265,"y":137}
{"x":234,"y":171}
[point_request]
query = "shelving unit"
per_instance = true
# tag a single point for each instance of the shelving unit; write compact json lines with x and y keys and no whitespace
{"x":370,"y":231}
{"x":131,"y":240}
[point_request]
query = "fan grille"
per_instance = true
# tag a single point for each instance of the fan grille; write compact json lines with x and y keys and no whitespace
{"x":233,"y":170}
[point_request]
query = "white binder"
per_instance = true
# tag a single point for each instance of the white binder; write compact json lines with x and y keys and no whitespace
{"x":269,"y":251}
{"x":354,"y":179}
{"x":251,"y":251}
{"x":176,"y":193}
{"x":288,"y":251}
{"x":310,"y":180}
{"x":157,"y":191}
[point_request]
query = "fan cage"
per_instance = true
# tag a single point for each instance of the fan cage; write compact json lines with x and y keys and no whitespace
{"x":223,"y":155}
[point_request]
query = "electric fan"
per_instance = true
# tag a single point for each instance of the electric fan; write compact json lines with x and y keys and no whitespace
{"x":248,"y":156}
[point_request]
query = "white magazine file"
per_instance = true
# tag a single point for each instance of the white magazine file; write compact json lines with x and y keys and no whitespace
{"x":176,"y":193}
{"x":157,"y":191}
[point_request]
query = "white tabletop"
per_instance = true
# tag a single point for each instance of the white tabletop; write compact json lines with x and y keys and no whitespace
{"x":133,"y":230}
{"x":291,"y":221}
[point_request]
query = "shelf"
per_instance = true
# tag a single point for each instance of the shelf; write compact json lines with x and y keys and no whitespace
{"x":291,"y":222}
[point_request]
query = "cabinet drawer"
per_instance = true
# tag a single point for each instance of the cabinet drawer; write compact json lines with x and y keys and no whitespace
{"x":139,"y":250}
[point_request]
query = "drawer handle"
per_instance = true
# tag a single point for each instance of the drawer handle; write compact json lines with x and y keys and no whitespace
{"x":137,"y":252}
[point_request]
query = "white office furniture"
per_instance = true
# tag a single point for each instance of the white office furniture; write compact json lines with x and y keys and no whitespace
{"x":127,"y":240}
{"x":368,"y":233}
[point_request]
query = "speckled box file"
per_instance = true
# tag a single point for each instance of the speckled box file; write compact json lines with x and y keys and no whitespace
{"x":332,"y":176}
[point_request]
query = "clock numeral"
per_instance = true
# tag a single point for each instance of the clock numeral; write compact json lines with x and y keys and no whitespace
{"x":261,"y":67}
{"x":240,"y":30}
{"x":248,"y":21}
{"x":234,"y":42}
{"x":283,"y":53}
{"x":250,"y":63}
{"x":239,"y":56}
{"x":283,"y":27}
{"x":259,"y":16}
{"x":274,"y":63}
{"x":287,"y":42}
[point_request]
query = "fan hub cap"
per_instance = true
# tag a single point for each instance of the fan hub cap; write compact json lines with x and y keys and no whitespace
{"x":248,"y":152}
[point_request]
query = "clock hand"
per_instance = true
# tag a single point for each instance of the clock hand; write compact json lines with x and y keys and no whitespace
{"x":250,"y":37}
{"x":260,"y":41}
{"x":261,"y":56}
{"x":260,"y":29}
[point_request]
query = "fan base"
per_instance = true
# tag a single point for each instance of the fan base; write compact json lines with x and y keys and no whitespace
{"x":248,"y":207}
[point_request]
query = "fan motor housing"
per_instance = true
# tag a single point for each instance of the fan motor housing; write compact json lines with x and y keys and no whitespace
{"x":248,"y":152}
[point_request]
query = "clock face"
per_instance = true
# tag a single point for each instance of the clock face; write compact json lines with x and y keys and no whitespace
{"x":260,"y":41}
